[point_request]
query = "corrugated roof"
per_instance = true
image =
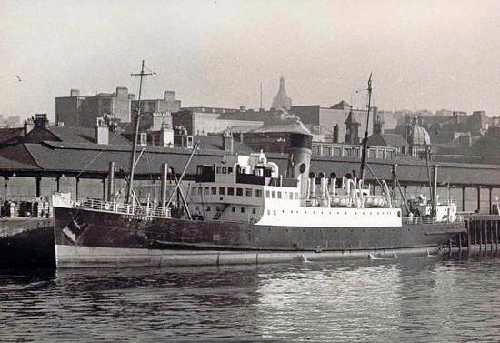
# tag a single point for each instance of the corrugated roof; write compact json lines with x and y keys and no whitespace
{"x":92,"y":158}
{"x":84,"y":135}
{"x":8,"y":135}
{"x":288,"y":125}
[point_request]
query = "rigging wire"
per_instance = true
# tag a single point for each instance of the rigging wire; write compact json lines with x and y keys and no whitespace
{"x":82,"y":170}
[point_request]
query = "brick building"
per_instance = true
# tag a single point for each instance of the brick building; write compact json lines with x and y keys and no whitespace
{"x":331,"y":120}
{"x":77,"y":110}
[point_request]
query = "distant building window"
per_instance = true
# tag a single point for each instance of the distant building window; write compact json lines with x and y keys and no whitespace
{"x":239,"y":192}
{"x":258,"y":193}
{"x":230,"y":190}
{"x":234,"y":209}
{"x":214,"y":190}
{"x":218,"y":170}
{"x":208,"y":208}
{"x":242,"y":210}
{"x":222,"y":191}
{"x":279,"y":195}
{"x":229,"y":170}
{"x":224,"y":170}
{"x":248,"y":192}
{"x":200,"y":191}
{"x":253,"y":210}
{"x":273,"y":194}
{"x":267,"y":194}
{"x":207,"y":190}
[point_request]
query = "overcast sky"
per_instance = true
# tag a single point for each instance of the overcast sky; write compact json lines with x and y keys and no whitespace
{"x":423,"y":54}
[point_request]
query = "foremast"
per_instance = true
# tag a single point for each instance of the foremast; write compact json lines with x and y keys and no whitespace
{"x":365,"y":139}
{"x":130,"y":186}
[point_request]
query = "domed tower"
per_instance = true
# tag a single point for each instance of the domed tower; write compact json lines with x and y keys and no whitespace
{"x":418,"y":139}
{"x":282,"y":100}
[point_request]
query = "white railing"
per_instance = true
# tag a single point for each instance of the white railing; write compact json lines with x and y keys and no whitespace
{"x":430,"y":220}
{"x":128,"y":209}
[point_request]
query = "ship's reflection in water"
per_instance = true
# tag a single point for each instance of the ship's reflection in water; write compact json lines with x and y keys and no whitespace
{"x":388,"y":300}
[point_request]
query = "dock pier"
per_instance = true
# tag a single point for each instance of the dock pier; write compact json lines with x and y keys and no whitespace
{"x":481,"y":237}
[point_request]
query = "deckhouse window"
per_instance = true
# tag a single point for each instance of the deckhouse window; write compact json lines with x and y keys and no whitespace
{"x":248,"y":192}
{"x":253,"y":210}
{"x":222,"y":190}
{"x":273,"y":194}
{"x":230,"y":190}
{"x":267,"y":194}
{"x":224,"y":170}
{"x":214,"y":190}
{"x":290,"y":195}
{"x":218,"y":170}
{"x":239,"y":192}
{"x":200,"y":191}
{"x":279,"y":195}
{"x":242,"y":210}
{"x":207,"y":191}
{"x":229,"y":170}
{"x":258,"y":193}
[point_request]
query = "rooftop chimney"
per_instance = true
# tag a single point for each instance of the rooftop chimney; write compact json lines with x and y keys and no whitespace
{"x":169,"y":95}
{"x":166,"y":136}
{"x":101,"y":131}
{"x":29,"y":125}
{"x":41,"y":120}
{"x":228,"y":142}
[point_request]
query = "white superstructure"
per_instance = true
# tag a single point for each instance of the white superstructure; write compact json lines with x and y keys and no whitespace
{"x":250,"y":189}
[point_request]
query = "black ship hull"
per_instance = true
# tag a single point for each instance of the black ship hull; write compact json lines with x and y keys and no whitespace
{"x":87,"y":238}
{"x":26,"y":242}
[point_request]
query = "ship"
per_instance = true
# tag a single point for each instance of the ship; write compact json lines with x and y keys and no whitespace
{"x":243,"y":209}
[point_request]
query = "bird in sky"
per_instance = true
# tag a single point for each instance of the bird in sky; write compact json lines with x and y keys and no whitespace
{"x":18,"y":78}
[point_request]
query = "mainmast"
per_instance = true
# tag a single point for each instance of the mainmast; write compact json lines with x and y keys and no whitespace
{"x":365,"y":140}
{"x":136,"y":133}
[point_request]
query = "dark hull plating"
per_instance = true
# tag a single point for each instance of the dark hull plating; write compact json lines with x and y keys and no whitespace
{"x":90,"y":229}
{"x":26,"y":242}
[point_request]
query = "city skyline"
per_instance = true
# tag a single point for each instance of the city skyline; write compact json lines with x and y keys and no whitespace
{"x":424,"y":55}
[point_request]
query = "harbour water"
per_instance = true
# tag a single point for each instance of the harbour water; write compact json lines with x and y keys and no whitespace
{"x":400,"y":299}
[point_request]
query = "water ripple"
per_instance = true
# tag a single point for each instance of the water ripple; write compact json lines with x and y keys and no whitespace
{"x":403,"y":299}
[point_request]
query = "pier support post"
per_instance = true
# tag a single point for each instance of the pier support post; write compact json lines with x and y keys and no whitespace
{"x":478,"y":199}
{"x":480,"y":229}
{"x":103,"y":189}
{"x":111,"y":182}
{"x":6,"y":187}
{"x":490,"y":229}
{"x":77,"y":180}
{"x":58,"y":184}
{"x":496,"y":236}
{"x":164,"y":176}
{"x":463,"y":198}
{"x":490,"y":203}
{"x":38,"y":183}
{"x":468,"y":223}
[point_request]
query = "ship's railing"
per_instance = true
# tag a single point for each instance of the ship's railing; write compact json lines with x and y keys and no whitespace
{"x":128,"y":209}
{"x":431,"y":220}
